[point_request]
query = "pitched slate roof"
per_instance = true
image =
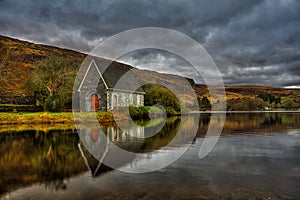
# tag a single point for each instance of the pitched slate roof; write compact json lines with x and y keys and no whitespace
{"x":115,"y":72}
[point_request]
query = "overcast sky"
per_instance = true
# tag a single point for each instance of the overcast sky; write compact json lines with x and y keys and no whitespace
{"x":252,"y":42}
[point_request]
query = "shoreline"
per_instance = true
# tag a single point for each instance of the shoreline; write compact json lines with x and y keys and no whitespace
{"x":67,"y":118}
{"x":35,"y":118}
{"x":48,"y":118}
{"x":248,"y":111}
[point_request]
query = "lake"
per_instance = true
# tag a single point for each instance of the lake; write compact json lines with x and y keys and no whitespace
{"x":256,"y":157}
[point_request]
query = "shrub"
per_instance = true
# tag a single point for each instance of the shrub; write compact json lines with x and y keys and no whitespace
{"x":141,"y":112}
{"x":246,"y":104}
{"x":156,"y":94}
{"x":290,"y":105}
{"x":51,"y":104}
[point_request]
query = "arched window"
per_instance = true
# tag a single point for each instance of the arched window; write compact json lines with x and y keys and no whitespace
{"x":115,"y":101}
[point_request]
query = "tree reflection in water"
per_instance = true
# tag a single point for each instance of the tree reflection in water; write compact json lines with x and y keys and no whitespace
{"x":34,"y":156}
{"x":49,"y":158}
{"x":53,"y":168}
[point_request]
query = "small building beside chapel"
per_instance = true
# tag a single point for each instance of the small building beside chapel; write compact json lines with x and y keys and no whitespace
{"x":101,"y":89}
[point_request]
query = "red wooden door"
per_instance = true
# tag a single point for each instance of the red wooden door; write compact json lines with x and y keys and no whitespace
{"x":94,"y":102}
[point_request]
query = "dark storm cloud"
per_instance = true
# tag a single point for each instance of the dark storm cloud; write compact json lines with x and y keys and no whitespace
{"x":161,"y":61}
{"x":252,"y":42}
{"x":266,"y":36}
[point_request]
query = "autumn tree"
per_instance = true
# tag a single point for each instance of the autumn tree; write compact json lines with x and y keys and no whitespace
{"x":204,"y":103}
{"x":246,"y":104}
{"x":53,"y":79}
{"x":269,"y":98}
{"x":291,"y":105}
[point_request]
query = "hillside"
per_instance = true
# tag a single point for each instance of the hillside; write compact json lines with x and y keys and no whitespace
{"x":18,"y":58}
{"x":252,"y":91}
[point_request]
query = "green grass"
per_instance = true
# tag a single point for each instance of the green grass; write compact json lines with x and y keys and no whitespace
{"x":68,"y":118}
{"x":155,"y":111}
{"x":11,"y":114}
{"x":14,"y":105}
{"x":52,"y":114}
{"x":35,"y":118}
{"x":52,"y":117}
{"x":35,"y":114}
{"x":284,"y":99}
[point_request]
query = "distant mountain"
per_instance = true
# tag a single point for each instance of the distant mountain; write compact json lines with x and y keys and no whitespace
{"x":18,"y":58}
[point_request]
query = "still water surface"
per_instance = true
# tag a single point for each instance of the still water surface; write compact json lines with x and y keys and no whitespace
{"x":257,"y":157}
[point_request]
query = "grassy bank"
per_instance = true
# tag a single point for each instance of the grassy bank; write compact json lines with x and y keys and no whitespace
{"x":35,"y":118}
{"x":50,"y":118}
{"x":8,"y":118}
